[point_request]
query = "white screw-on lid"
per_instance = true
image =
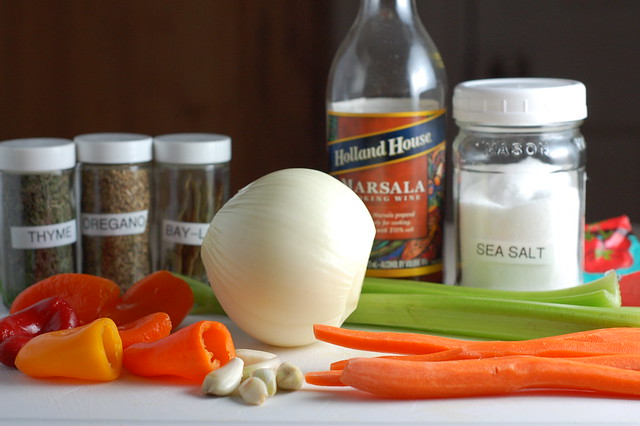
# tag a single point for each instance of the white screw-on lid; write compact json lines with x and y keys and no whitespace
{"x":519,"y":101}
{"x":114,"y":148}
{"x":192,"y":148}
{"x":37,"y":155}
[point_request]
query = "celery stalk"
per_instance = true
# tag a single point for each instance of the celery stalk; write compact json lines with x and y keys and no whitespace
{"x":489,"y":318}
{"x":602,"y":292}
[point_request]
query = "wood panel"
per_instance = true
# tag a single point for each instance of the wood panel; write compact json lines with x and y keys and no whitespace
{"x":247,"y":68}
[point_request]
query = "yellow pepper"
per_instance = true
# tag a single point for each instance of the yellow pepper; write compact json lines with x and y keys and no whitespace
{"x":90,"y":352}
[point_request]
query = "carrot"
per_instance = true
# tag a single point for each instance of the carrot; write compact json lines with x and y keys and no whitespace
{"x":191,"y":352}
{"x":160,"y":291}
{"x":380,"y":341}
{"x":416,"y":343}
{"x":146,"y":329}
{"x":89,"y":295}
{"x":484,"y":377}
{"x":324,"y":378}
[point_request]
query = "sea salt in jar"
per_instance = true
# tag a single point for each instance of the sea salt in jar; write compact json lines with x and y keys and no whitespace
{"x":519,"y":183}
{"x":191,"y":175}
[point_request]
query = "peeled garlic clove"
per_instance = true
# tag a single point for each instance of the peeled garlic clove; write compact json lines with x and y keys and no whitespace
{"x":289,"y":376}
{"x":224,"y":380}
{"x":268,"y":376}
{"x":253,"y":391}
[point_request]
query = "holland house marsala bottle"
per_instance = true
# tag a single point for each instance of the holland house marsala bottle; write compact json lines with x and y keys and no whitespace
{"x":386,"y":120}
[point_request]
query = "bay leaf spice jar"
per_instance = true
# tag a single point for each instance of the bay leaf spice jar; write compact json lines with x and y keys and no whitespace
{"x":38,"y":228}
{"x":519,"y":183}
{"x":191,"y":181}
{"x":115,"y":207}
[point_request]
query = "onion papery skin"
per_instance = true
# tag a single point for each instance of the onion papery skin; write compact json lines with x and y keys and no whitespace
{"x":288,"y":251}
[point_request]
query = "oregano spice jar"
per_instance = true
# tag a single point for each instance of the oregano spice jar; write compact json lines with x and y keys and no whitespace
{"x":115,"y":205}
{"x":191,"y":175}
{"x":38,"y":228}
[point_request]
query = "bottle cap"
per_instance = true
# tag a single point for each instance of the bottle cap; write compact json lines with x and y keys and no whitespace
{"x":519,"y":101}
{"x":192,"y":148}
{"x":37,"y":155}
{"x":114,"y":148}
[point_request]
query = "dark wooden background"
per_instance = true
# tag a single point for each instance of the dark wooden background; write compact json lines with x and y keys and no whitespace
{"x":256,"y":70}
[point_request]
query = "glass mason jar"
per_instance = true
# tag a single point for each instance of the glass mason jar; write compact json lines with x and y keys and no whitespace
{"x":191,"y":181}
{"x":519,"y":183}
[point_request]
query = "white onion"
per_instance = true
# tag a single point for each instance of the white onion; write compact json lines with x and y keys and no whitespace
{"x":288,"y":251}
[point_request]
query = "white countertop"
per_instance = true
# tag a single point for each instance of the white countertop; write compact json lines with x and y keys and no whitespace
{"x":134,"y":400}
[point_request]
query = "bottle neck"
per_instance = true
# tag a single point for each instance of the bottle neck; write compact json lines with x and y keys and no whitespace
{"x":403,"y":10}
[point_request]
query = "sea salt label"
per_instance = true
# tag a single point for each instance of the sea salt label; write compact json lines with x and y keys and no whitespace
{"x":514,"y":253}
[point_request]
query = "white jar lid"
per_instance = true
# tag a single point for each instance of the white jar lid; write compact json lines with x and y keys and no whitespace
{"x":37,"y":155}
{"x":114,"y":148}
{"x":192,"y":148}
{"x":519,"y":101}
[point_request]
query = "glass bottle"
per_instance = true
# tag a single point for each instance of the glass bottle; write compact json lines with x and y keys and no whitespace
{"x":519,"y":183}
{"x":386,"y":135}
{"x":38,"y":228}
{"x":191,"y":181}
{"x":115,"y":205}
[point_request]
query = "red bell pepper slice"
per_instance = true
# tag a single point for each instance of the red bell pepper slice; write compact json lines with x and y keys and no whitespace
{"x":50,"y":314}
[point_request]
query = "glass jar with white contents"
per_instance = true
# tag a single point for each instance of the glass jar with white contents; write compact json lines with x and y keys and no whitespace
{"x":191,"y":175}
{"x":519,"y":183}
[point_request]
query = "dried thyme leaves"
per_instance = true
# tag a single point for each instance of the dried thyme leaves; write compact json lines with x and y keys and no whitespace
{"x":35,"y":200}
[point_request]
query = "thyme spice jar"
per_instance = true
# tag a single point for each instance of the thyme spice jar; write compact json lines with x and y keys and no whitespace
{"x":191,"y":180}
{"x":519,"y":183}
{"x":38,"y":229}
{"x":115,"y":205}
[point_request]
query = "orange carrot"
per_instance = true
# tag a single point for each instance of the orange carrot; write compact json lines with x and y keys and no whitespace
{"x":622,"y":361}
{"x":146,"y":329}
{"x":380,"y":341}
{"x":89,"y":295}
{"x":157,"y":292}
{"x":415,"y":343}
{"x":191,"y":352}
{"x":324,"y":378}
{"x":483,"y":377}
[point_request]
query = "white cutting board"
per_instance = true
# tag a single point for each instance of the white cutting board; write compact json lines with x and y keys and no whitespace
{"x":132,"y":400}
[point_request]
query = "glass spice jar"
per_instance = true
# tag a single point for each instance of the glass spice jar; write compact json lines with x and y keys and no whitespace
{"x":38,"y":228}
{"x":519,"y":183}
{"x":191,"y":181}
{"x":115,"y":205}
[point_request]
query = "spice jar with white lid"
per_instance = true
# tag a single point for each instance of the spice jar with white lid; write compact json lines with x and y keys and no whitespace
{"x":38,"y":228}
{"x":191,"y":180}
{"x":115,"y":205}
{"x":519,"y":183}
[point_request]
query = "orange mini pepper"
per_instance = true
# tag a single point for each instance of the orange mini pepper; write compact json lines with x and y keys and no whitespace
{"x":160,"y":291}
{"x":191,"y":352}
{"x":89,"y":295}
{"x":90,"y":352}
{"x":146,"y":329}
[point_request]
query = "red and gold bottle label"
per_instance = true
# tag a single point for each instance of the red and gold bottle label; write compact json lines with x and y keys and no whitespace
{"x":395,"y":163}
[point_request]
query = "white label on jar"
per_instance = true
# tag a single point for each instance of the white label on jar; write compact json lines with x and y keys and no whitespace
{"x":189,"y":233}
{"x":514,"y":253}
{"x":114,"y":224}
{"x":45,"y":236}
